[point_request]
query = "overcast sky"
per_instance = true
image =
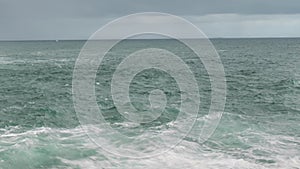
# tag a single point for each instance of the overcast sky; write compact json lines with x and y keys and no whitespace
{"x":78,"y":19}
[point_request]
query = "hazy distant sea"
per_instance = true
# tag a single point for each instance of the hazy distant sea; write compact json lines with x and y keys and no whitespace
{"x":260,"y":127}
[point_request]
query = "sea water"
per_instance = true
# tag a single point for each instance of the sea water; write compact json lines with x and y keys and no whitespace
{"x":259,"y":128}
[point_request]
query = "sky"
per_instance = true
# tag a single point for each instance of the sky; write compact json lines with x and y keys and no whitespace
{"x":79,"y":19}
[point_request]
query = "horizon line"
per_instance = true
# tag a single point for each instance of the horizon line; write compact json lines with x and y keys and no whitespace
{"x":23,"y":40}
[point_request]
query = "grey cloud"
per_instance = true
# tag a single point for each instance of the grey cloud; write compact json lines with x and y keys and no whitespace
{"x":43,"y":19}
{"x":234,"y":25}
{"x":101,"y":8}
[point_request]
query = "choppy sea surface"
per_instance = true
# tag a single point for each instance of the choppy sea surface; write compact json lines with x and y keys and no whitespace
{"x":260,"y":126}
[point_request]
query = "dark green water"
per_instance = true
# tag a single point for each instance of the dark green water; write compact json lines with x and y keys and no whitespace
{"x":260,"y":127}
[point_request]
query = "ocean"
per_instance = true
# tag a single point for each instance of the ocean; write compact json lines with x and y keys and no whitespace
{"x":259,"y":128}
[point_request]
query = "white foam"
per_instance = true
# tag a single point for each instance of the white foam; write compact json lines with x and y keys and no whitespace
{"x":188,"y":154}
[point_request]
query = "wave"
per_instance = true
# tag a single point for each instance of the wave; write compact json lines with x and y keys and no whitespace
{"x":71,"y":148}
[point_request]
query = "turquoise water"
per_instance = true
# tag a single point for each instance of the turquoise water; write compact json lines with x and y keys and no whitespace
{"x":260,"y":127}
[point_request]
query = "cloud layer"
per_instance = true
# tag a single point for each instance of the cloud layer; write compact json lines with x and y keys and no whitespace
{"x":77,"y":19}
